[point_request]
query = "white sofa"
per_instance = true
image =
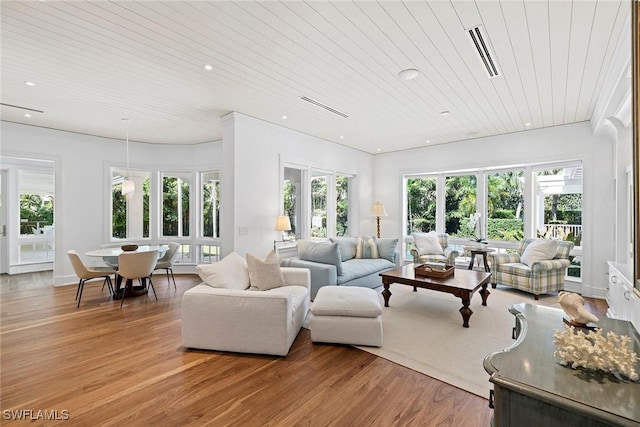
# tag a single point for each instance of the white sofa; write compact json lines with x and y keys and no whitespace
{"x":246,"y":321}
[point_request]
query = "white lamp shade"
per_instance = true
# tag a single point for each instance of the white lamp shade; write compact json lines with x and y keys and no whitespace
{"x":283,"y":223}
{"x":378,"y":210}
{"x":128,"y":186}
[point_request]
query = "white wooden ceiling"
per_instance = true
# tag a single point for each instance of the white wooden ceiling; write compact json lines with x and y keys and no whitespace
{"x":94,"y":63}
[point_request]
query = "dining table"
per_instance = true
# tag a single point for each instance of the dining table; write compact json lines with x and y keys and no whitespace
{"x":110,"y":257}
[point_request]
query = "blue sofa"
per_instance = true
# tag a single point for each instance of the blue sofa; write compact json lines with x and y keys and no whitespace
{"x":345,"y":261}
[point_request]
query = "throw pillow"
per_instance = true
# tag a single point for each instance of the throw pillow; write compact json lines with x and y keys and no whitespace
{"x":373,"y":248}
{"x":230,"y":273}
{"x":324,"y":253}
{"x":363,"y":249}
{"x":346,"y":246}
{"x":427,"y":243}
{"x":265,"y":275}
{"x":539,"y":250}
{"x":359,"y":247}
{"x":387,"y":248}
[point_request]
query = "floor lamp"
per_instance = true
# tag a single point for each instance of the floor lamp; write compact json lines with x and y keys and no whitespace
{"x":378,"y":211}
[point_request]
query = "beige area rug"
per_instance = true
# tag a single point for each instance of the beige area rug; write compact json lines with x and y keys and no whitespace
{"x":423,"y":331}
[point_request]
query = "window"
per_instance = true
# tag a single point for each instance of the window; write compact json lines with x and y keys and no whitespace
{"x":209,"y":254}
{"x":130,"y":213}
{"x":292,"y":200}
{"x":460,"y":204}
{"x":184,"y":254}
{"x":421,"y":204}
{"x":36,"y":194}
{"x":36,"y":202}
{"x":210,"y":189}
{"x":318,"y":204}
{"x":558,"y":213}
{"x":558,"y":208}
{"x":509,"y":204}
{"x":175,"y":204}
{"x":505,"y":205}
{"x":343,"y":184}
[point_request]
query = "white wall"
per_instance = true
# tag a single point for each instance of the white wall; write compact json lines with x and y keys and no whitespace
{"x":250,"y":158}
{"x":81,"y":173}
{"x":254,"y":152}
{"x":559,"y":143}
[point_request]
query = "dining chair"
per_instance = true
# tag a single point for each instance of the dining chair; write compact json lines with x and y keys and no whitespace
{"x":166,"y":262}
{"x":85,"y":273}
{"x":137,"y":266}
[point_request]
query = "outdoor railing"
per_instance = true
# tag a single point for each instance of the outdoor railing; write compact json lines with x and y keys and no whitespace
{"x":561,"y":231}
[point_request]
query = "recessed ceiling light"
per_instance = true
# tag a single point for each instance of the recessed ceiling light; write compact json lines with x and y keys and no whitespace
{"x":27,"y":115}
{"x":527,"y":124}
{"x":284,"y":117}
{"x":341,"y":136}
{"x":379,"y":150}
{"x":28,"y":83}
{"x":428,"y":141}
{"x":208,"y":67}
{"x":445,"y":113}
{"x":408,"y":74}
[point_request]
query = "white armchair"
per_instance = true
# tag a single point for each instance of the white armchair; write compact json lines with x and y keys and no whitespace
{"x":247,"y":321}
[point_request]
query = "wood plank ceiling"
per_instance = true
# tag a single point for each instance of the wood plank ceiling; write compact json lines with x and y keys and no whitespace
{"x":94,"y":63}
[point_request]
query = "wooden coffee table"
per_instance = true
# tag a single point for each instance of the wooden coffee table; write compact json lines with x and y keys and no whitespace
{"x":462,"y":285}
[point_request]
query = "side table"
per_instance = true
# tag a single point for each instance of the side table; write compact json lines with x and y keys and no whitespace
{"x":479,"y":251}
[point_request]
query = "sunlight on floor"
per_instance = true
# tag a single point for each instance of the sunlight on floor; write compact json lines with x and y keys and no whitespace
{"x":25,"y":281}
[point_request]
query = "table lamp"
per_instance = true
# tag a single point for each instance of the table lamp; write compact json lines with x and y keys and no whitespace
{"x":378,"y":210}
{"x":283,"y":224}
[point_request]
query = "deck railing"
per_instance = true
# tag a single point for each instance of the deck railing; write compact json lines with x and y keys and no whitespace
{"x":561,"y":231}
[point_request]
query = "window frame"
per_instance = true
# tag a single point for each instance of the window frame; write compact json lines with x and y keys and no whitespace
{"x":190,"y":214}
{"x":482,"y":198}
{"x":304,"y":222}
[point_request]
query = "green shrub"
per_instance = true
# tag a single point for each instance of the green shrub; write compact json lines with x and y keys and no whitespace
{"x":505,"y":229}
{"x":503,"y":214}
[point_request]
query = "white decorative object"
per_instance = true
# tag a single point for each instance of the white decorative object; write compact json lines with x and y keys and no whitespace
{"x":573,"y":305}
{"x":475,"y":226}
{"x":593,"y":350}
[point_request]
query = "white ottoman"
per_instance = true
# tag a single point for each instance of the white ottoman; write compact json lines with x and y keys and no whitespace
{"x":346,"y":315}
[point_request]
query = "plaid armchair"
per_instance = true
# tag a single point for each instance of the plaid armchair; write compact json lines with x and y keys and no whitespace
{"x":540,"y":278}
{"x":449,"y":256}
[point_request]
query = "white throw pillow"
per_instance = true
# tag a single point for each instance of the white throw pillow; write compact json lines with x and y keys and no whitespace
{"x":539,"y":250}
{"x":231,"y":272}
{"x":427,"y":243}
{"x":373,"y":248}
{"x":265,"y":275}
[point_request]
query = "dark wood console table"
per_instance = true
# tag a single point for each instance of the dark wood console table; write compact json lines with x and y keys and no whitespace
{"x":531,"y":388}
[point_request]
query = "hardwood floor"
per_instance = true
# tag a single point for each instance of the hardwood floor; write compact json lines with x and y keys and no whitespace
{"x":102,"y":365}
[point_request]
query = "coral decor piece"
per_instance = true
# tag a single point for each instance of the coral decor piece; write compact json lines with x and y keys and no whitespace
{"x":593,"y":350}
{"x":573,"y":305}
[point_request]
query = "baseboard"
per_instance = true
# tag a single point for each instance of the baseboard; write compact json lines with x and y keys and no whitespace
{"x":30,"y":268}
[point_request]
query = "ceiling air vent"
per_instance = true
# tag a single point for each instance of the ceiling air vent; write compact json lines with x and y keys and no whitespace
{"x":481,"y":43}
{"x":326,"y":107}
{"x":21,"y":108}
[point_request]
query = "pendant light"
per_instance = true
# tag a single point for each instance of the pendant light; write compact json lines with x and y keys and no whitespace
{"x":128,"y":187}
